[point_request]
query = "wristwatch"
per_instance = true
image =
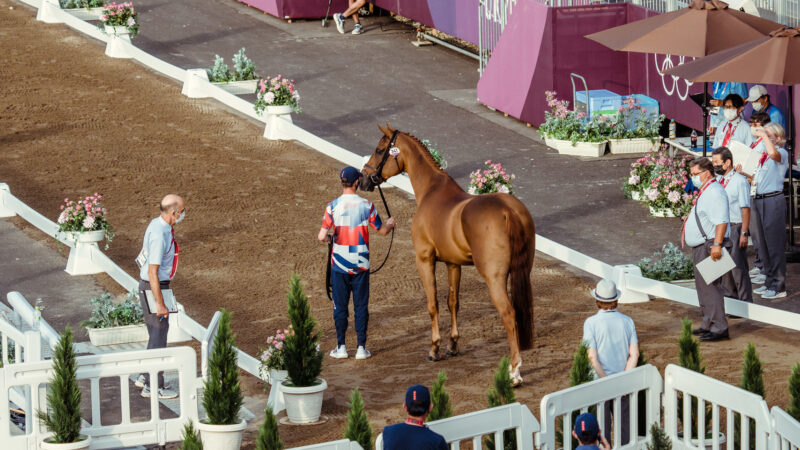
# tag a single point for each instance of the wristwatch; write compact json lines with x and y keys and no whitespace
{"x":746,"y":233}
{"x":717,"y":244}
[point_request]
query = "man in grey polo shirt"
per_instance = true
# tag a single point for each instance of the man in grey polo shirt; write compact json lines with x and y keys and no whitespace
{"x":158,"y":262}
{"x":613,"y":348}
{"x":706,"y":231}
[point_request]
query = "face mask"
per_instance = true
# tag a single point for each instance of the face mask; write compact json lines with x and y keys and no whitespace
{"x":696,"y":181}
{"x":718,"y":170}
{"x":180,"y":219}
{"x":757,"y":106}
{"x":730,"y":114}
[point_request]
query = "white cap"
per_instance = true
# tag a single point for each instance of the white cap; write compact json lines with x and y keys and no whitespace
{"x":756,"y":92}
{"x":606,"y":291}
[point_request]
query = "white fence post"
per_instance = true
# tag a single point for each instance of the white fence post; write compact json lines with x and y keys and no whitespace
{"x":49,"y":12}
{"x":5,"y":206}
{"x":785,"y":430}
{"x":80,"y":260}
{"x":194,"y":83}
{"x":621,"y":273}
{"x":117,"y":46}
{"x":276,"y":128}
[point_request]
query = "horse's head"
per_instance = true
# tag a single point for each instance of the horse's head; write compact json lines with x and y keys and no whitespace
{"x":386,"y":161}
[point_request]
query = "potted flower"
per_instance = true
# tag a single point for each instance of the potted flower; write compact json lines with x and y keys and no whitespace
{"x":119,"y":19}
{"x":560,"y":122}
{"x":222,"y":395}
{"x":243,"y":80}
{"x":491,"y":179}
{"x":118,"y":323}
{"x":669,"y":264}
{"x":665,"y":194}
{"x":303,"y":391}
{"x":83,"y":223}
{"x":63,"y":415}
{"x":278,"y":97}
{"x":273,"y":366}
{"x":639,"y":176}
{"x":591,"y":139}
{"x":633,"y":130}
{"x":84,"y":9}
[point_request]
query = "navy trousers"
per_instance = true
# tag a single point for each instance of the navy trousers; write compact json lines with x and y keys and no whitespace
{"x":343,"y":284}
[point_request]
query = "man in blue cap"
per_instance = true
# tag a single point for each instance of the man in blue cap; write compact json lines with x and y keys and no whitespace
{"x":350,"y":216}
{"x":587,"y":432}
{"x":413,"y":434}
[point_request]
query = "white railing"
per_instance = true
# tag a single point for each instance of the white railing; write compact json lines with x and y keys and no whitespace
{"x":704,"y":389}
{"x":560,"y":406}
{"x":785,"y":433}
{"x":207,"y":344}
{"x":32,"y":319}
{"x":492,"y":20}
{"x":33,"y":377}
{"x":493,"y":421}
{"x":342,"y":444}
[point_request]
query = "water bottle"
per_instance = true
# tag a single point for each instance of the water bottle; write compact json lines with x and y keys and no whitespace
{"x":694,"y":139}
{"x":672,"y":128}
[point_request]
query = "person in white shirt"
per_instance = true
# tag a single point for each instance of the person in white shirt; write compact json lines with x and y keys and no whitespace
{"x":738,"y":190}
{"x":733,"y":127}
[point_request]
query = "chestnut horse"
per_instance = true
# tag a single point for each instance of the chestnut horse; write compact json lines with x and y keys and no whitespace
{"x":494,"y":232}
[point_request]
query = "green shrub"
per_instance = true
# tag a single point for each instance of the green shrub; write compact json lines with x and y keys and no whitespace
{"x":689,"y":357}
{"x":268,"y":438}
{"x":106,"y":314}
{"x":752,"y":381}
{"x":669,"y":264}
{"x":191,"y":440}
{"x":219,"y":72}
{"x":301,"y":350}
{"x":243,"y":67}
{"x":794,"y":393}
{"x":222,"y":397}
{"x":63,"y":417}
{"x":440,"y":398}
{"x":502,"y":393}
{"x":358,"y":428}
{"x":581,"y":370}
{"x":658,"y":439}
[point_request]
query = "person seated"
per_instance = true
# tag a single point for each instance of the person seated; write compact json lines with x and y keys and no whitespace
{"x":413,"y":433}
{"x":759,"y":99}
{"x":733,"y":127}
{"x":587,"y":432}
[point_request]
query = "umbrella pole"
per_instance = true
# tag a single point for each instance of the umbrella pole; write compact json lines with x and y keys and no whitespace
{"x":705,"y":118}
{"x":790,"y":145}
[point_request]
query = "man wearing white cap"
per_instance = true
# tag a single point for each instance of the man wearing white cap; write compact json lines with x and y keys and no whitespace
{"x":759,"y":99}
{"x":613,"y":347}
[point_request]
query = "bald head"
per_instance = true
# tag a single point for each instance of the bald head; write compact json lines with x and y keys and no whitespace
{"x":171,"y":208}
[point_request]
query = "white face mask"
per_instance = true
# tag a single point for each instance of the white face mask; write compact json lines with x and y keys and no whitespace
{"x":757,"y":106}
{"x":730,"y":114}
{"x":696,"y":181}
{"x":180,"y":219}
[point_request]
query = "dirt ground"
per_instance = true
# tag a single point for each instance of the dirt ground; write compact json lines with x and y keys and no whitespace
{"x":74,"y":122}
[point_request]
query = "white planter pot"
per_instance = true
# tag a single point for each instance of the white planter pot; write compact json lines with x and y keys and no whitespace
{"x":116,"y":30}
{"x":118,"y":41}
{"x":661,"y":212}
{"x":238,"y":87}
{"x":80,"y":261}
{"x":593,"y":149}
{"x":303,"y":404}
{"x":639,"y":145}
{"x":83,"y":237}
{"x":82,"y":444}
{"x":222,"y":437}
{"x":636,"y":195}
{"x":275,"y":400}
{"x":556,"y":144}
{"x":86,"y":13}
{"x":684,"y":283}
{"x":277,"y":116}
{"x":118,"y":335}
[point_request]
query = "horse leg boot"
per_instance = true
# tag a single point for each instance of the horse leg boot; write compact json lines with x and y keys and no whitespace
{"x":497,"y":290}
{"x":454,"y":280}
{"x":426,"y":266}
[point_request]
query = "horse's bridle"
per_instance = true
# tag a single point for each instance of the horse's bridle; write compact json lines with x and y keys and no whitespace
{"x":377,"y":176}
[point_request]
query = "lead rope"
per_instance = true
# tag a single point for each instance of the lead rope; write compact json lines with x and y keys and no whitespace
{"x":389,"y":215}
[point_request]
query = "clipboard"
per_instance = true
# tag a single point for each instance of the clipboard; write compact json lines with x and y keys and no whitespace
{"x":711,"y":270}
{"x":169,"y":301}
{"x":744,"y":155}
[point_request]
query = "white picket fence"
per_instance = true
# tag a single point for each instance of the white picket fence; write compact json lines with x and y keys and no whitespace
{"x":785,"y":431}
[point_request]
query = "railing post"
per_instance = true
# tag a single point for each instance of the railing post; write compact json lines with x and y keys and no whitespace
{"x":33,"y":346}
{"x":5,"y":206}
{"x":194,"y":83}
{"x":48,"y":12}
{"x":621,"y":273}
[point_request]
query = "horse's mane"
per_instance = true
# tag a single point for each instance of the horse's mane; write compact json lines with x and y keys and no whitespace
{"x":426,"y":153}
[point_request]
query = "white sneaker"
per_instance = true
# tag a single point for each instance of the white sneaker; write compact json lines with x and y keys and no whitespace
{"x":339,"y":352}
{"x":339,"y":21}
{"x":760,"y":290}
{"x":769,"y":293}
{"x":140,"y":382}
{"x":755,"y":271}
{"x":357,"y":29}
{"x":758,"y":279}
{"x":362,"y":353}
{"x":163,"y":394}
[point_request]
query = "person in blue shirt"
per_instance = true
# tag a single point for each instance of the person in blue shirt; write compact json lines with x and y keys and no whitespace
{"x":587,"y":432}
{"x":759,"y":100}
{"x":413,"y":434}
{"x":720,"y":90}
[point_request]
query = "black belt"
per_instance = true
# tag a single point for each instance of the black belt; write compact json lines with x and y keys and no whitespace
{"x":771,"y":194}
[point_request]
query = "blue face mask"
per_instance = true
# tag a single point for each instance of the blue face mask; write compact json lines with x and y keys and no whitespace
{"x":696,"y":181}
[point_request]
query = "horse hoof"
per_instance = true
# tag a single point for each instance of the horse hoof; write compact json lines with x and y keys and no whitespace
{"x":452,"y":352}
{"x":516,"y":382}
{"x":433,"y":358}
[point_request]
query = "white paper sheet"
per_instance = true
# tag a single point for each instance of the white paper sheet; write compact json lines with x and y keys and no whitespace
{"x":744,"y":155}
{"x":710,"y":270}
{"x":169,"y":301}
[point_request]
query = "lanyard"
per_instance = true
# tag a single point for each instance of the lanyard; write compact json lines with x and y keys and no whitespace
{"x":416,"y":422}
{"x":727,"y":178}
{"x":729,"y":134}
{"x":694,"y":203}
{"x":175,"y":259}
{"x":755,"y":144}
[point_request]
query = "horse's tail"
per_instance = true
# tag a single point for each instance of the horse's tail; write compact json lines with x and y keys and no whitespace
{"x":520,"y":270}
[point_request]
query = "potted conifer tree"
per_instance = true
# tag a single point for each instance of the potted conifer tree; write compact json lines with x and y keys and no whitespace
{"x":63,"y":417}
{"x":440,"y":398}
{"x":752,"y":381}
{"x":794,"y":393}
{"x":268,"y":438}
{"x":502,"y":393}
{"x":358,"y":428}
{"x":191,"y":441}
{"x":222,"y":397}
{"x":303,"y":391}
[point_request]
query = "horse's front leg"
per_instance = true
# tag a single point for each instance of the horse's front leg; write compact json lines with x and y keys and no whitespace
{"x":454,"y":280}
{"x":426,"y":265}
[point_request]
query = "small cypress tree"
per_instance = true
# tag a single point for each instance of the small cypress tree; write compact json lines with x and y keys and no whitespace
{"x":658,"y":439}
{"x":794,"y":393}
{"x":581,"y":370}
{"x":690,"y":358}
{"x":63,"y":416}
{"x":502,"y":393}
{"x":301,"y":354}
{"x":222,"y":397}
{"x":752,"y":381}
{"x":440,"y":398}
{"x":358,"y":428}
{"x":268,"y":438}
{"x":191,"y":441}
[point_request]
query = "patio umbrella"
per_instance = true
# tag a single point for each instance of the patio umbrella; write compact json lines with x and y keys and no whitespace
{"x":702,"y":28}
{"x":773,"y":59}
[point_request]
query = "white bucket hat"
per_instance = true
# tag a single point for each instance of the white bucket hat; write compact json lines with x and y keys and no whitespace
{"x":606,"y":291}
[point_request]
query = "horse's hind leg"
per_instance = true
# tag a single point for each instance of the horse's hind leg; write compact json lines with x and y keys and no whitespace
{"x":454,"y":280}
{"x":426,"y":265}
{"x":499,"y":295}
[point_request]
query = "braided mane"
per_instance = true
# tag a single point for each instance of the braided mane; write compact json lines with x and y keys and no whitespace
{"x":427,"y":152}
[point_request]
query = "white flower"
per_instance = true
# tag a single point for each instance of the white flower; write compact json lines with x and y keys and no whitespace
{"x":503,"y":188}
{"x":269,"y":97}
{"x":651,"y":194}
{"x":62,"y":217}
{"x":472,"y":190}
{"x":131,"y":22}
{"x":88,"y":222}
{"x":296,"y":96}
{"x":686,"y":197}
{"x":674,"y":196}
{"x":634,"y":180}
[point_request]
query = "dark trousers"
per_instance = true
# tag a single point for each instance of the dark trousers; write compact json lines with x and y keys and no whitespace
{"x":768,"y":226}
{"x":625,"y":428}
{"x":342,"y":285}
{"x":741,"y":288}
{"x":156,"y":329}
{"x":712,"y":302}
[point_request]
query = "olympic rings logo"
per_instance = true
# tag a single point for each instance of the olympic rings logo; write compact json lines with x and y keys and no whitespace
{"x":667,"y":64}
